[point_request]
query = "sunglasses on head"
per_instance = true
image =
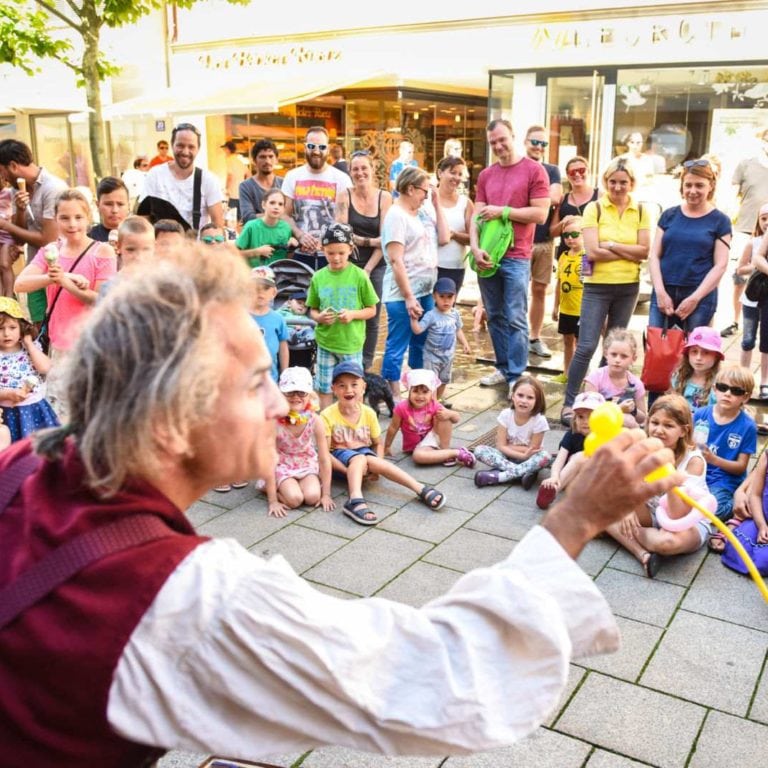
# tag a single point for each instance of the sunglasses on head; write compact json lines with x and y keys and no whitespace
{"x":696,"y":164}
{"x":576,"y":172}
{"x":213,"y":239}
{"x":312,"y":147}
{"x":571,"y":234}
{"x":738,"y":391}
{"x":539,"y":143}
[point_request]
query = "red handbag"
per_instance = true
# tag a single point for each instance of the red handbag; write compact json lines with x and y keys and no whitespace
{"x":663,"y":352}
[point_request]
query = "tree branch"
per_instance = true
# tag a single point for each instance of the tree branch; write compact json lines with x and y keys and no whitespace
{"x":50,"y":8}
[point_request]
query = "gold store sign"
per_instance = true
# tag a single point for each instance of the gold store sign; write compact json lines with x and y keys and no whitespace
{"x":252,"y":58}
{"x":637,"y":34}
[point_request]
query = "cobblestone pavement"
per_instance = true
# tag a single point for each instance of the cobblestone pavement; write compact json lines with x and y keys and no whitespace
{"x":689,"y":686}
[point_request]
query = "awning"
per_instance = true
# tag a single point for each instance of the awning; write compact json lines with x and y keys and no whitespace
{"x":264,"y":95}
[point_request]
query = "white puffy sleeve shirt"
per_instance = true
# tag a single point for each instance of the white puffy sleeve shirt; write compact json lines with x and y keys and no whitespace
{"x":240,"y":656}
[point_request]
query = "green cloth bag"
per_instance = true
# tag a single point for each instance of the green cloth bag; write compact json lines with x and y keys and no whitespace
{"x":495,"y":237}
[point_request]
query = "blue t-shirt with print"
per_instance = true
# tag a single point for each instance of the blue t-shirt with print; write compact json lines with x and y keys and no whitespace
{"x":441,"y":329}
{"x":727,"y":441}
{"x":275,"y":330}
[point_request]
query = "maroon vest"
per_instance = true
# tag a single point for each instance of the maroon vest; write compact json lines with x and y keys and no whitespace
{"x":57,"y":660}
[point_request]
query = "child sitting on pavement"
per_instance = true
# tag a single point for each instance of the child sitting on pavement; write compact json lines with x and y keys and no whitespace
{"x":443,"y":326}
{"x":341,"y":298}
{"x":357,"y":452}
{"x":426,"y":425}
{"x":570,"y":453}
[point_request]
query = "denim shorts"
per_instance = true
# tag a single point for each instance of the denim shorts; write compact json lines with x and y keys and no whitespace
{"x":345,"y":455}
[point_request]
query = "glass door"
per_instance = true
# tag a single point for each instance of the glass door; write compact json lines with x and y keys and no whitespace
{"x":575,"y":116}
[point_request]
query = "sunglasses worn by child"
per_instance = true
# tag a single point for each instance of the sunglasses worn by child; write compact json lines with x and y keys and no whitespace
{"x":213,"y":239}
{"x":737,"y":391}
{"x":572,"y":234}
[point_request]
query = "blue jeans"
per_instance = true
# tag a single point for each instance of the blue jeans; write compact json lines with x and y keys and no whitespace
{"x":702,"y":315}
{"x":614,"y":302}
{"x":372,"y":324}
{"x":400,"y":337}
{"x":505,"y":296}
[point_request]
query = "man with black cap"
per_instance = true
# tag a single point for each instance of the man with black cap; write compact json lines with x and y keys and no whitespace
{"x":236,"y":172}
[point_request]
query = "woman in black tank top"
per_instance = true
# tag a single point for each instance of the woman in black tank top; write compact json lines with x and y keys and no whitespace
{"x":367,"y":207}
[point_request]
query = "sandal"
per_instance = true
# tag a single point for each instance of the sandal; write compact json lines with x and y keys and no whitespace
{"x":729,"y":330}
{"x":358,"y":510}
{"x":650,"y":562}
{"x":433,"y":498}
{"x":223,"y":488}
{"x":450,"y":463}
{"x":717,"y":540}
{"x":467,"y":458}
{"x":243,"y":484}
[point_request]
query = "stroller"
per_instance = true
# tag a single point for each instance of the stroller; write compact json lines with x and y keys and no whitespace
{"x":290,"y":277}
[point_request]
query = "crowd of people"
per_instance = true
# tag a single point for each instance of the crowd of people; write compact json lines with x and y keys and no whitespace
{"x":136,"y":325}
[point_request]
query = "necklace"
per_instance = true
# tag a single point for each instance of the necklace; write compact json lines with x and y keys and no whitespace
{"x":294,"y":417}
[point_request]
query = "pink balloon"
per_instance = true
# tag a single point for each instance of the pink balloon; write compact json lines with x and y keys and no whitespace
{"x":705,"y":498}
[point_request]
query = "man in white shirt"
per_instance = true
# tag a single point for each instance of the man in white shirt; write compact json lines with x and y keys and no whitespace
{"x":134,"y":179}
{"x":316,"y":193}
{"x":230,"y":653}
{"x":174,"y":181}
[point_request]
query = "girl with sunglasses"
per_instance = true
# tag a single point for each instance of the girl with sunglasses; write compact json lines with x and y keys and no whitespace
{"x":727,"y":435}
{"x":574,"y":203}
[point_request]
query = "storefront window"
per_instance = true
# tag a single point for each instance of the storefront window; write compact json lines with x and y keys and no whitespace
{"x":63,"y":149}
{"x":131,"y":138}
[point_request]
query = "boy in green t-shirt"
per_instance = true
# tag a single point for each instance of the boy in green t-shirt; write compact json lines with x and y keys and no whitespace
{"x":340,"y":299}
{"x":265,"y":240}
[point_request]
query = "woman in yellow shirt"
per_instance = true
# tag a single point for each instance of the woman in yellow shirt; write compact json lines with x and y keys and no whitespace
{"x":616,"y":239}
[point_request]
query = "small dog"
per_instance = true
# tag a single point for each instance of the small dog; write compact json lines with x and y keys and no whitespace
{"x":377,"y":391}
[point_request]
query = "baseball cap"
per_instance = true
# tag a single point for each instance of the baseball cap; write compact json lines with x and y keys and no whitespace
{"x":11,"y":307}
{"x":230,"y":145}
{"x":420,"y":377}
{"x":263,"y":273}
{"x":706,"y":338}
{"x":299,"y":295}
{"x":295,"y":379}
{"x":588,"y":400}
{"x":348,"y":367}
{"x":445,"y":285}
{"x":338,"y":233}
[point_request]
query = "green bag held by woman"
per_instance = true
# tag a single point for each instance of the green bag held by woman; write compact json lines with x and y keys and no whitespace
{"x":495,"y":237}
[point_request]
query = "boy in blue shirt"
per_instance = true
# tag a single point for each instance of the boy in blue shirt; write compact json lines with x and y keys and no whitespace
{"x":727,"y":436}
{"x":272,"y":323}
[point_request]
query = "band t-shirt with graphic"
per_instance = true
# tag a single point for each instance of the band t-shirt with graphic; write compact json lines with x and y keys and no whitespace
{"x":314,"y":197}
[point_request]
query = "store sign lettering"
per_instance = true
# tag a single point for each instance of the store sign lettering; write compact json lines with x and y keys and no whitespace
{"x":251,"y":59}
{"x":602,"y":35}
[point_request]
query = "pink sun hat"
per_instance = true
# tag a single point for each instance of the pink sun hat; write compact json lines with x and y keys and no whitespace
{"x":706,"y":338}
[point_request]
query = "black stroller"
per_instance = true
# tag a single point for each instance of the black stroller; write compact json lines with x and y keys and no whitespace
{"x":290,"y":277}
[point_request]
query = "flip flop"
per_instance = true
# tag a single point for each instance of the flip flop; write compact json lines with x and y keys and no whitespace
{"x":357,"y":509}
{"x":433,"y":498}
{"x":651,"y":564}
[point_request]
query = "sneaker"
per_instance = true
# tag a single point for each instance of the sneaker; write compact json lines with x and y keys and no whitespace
{"x":729,"y":330}
{"x":545,"y":496}
{"x":511,"y":388}
{"x":561,"y":378}
{"x":466,"y":458}
{"x":487,"y":477}
{"x":538,"y":347}
{"x":492,"y":379}
{"x":528,"y":479}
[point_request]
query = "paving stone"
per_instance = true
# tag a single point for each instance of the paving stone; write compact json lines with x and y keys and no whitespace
{"x":639,"y":598}
{"x":248,"y":523}
{"x":506,"y":518}
{"x":637,"y":643}
{"x":415,"y":520}
{"x":429,"y":474}
{"x":730,"y":741}
{"x":542,"y":749}
{"x":633,"y":721}
{"x":575,"y":677}
{"x":724,"y":594}
{"x":602,"y":759}
{"x":201,"y":512}
{"x":338,"y":524}
{"x":478,"y":399}
{"x":369,"y":562}
{"x":419,"y":584}
{"x":462,"y":494}
{"x":680,"y":569}
{"x":384,"y":491}
{"x":179,"y":759}
{"x":759,"y":709}
{"x":708,"y":661}
{"x":466,"y":550}
{"x":232,"y":498}
{"x":339,"y":757}
{"x":301,"y":547}
{"x":596,"y":555}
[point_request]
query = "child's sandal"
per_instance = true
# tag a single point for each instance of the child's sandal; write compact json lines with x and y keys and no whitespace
{"x":359,"y":511}
{"x":433,"y":498}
